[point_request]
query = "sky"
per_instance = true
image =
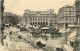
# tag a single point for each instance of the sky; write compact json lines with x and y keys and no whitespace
{"x":18,"y":6}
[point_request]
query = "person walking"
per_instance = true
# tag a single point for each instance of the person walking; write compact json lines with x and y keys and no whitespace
{"x":10,"y":36}
{"x":6,"y":44}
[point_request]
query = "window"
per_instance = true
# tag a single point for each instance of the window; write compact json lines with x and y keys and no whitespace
{"x":30,"y":23}
{"x":38,"y":19}
{"x":65,"y":9}
{"x":44,"y":19}
{"x":30,"y":19}
{"x":38,"y":23}
{"x":41,"y":18}
{"x":72,"y":9}
{"x":46,"y":23}
{"x":33,"y":23}
{"x":69,"y":9}
{"x":70,"y":19}
{"x":66,"y":19}
{"x":73,"y":19}
{"x":33,"y":19}
{"x":66,"y":14}
{"x":41,"y":23}
{"x":70,"y":13}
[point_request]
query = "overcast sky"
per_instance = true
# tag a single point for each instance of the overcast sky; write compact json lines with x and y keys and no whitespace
{"x":18,"y":6}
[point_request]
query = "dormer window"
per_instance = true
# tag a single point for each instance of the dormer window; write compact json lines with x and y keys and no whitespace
{"x":38,"y":13}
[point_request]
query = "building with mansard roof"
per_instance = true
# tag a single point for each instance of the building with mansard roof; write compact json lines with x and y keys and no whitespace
{"x":66,"y":16}
{"x":39,"y":18}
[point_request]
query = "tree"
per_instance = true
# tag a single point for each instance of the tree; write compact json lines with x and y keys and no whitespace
{"x":10,"y":18}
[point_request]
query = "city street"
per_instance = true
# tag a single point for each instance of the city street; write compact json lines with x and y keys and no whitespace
{"x":40,"y":25}
{"x":28,"y":41}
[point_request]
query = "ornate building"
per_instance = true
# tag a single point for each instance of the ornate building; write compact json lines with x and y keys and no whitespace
{"x":66,"y":15}
{"x":39,"y":18}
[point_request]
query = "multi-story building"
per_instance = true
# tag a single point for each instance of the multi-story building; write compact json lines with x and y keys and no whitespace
{"x":77,"y":41}
{"x":39,"y":18}
{"x":77,"y":4}
{"x":66,"y":15}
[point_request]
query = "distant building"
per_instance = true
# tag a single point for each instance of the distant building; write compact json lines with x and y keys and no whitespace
{"x":39,"y":18}
{"x":66,"y":15}
{"x":11,"y":18}
{"x":77,"y":4}
{"x":7,"y":17}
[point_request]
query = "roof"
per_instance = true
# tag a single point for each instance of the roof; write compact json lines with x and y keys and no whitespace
{"x":63,"y":30}
{"x":69,"y":6}
{"x":45,"y":28}
{"x":39,"y":12}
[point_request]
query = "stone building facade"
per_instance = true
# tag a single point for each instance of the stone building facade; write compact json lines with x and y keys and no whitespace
{"x":66,"y":16}
{"x":77,"y":4}
{"x":39,"y":18}
{"x":77,"y":41}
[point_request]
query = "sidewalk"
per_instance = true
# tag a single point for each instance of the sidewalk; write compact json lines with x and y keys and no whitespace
{"x":7,"y":40}
{"x":2,"y":48}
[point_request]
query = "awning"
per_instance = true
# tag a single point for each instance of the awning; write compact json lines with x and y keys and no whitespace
{"x":73,"y":34}
{"x":63,"y":31}
{"x":6,"y":24}
{"x":74,"y":25}
{"x":45,"y":28}
{"x":68,"y":48}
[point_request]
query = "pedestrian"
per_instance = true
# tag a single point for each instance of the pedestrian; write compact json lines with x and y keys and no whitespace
{"x":10,"y":38}
{"x":6,"y":44}
{"x":10,"y":33}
